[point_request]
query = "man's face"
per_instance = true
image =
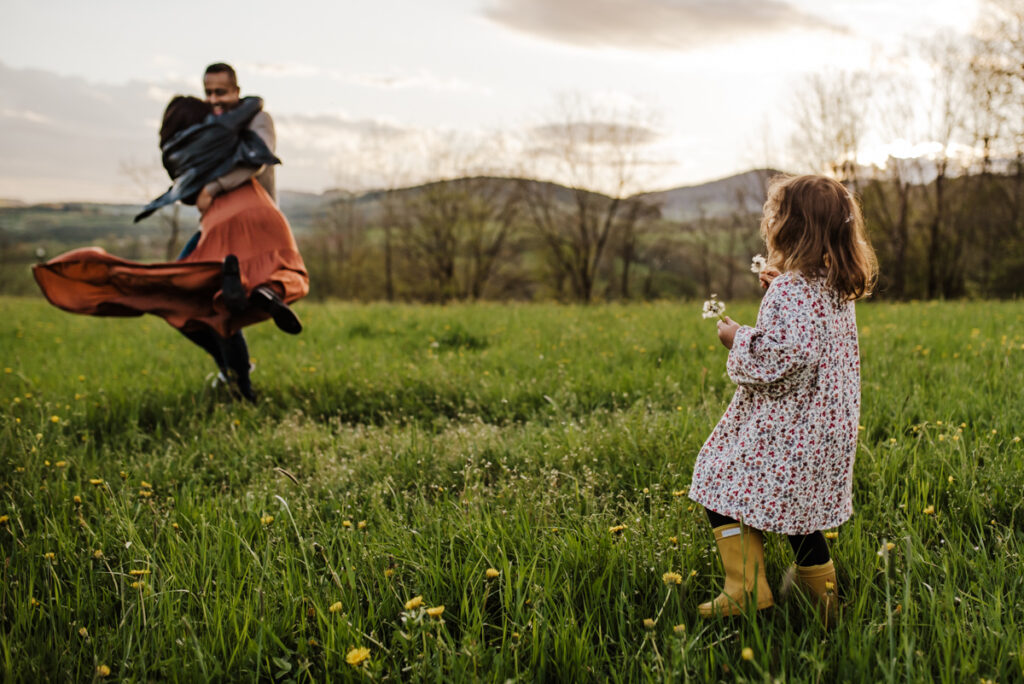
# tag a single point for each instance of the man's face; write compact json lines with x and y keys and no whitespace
{"x":221,"y":93}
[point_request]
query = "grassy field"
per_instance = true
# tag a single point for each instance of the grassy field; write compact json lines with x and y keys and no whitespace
{"x":477,"y":457}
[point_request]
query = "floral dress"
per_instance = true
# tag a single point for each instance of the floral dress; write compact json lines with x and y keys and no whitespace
{"x":781,"y":458}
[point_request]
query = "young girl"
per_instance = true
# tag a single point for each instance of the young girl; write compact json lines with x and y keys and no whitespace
{"x":781,"y":458}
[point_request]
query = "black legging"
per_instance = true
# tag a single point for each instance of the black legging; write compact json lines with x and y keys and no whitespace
{"x":809,"y":549}
{"x":231,"y":353}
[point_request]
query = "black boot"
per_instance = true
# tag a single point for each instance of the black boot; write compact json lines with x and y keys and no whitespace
{"x":231,"y":286}
{"x":265,"y":299}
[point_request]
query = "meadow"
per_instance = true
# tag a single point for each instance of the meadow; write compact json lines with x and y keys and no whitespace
{"x":523,"y":466}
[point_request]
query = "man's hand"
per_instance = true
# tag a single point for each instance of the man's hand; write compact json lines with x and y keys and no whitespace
{"x":727,"y":331}
{"x":203,"y":201}
{"x":766,"y":277}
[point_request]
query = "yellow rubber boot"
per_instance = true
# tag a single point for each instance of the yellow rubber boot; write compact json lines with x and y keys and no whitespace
{"x":742,"y":552}
{"x":819,"y":582}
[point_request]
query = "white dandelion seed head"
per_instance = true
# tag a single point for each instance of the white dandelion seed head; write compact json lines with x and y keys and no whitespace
{"x":758,"y":264}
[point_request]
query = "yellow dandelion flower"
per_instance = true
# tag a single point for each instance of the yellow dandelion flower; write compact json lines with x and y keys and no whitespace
{"x":357,"y":656}
{"x":81,"y":378}
{"x":435,"y":611}
{"x":693,"y":573}
{"x":414,"y":603}
{"x":138,"y":572}
{"x":96,"y":481}
{"x":615,"y":529}
{"x":515,"y":635}
{"x":362,"y":525}
{"x":679,"y":629}
{"x":4,"y":518}
{"x":679,"y":492}
{"x":267,"y":519}
{"x":949,"y":479}
{"x":942,"y":438}
{"x":1016,"y":440}
{"x":648,"y":623}
{"x":32,"y":601}
{"x":97,"y":554}
{"x":672,"y":578}
{"x":346,"y":523}
{"x":929,"y":510}
{"x":8,"y":370}
{"x":956,"y":438}
{"x":145,"y":493}
{"x":747,"y":653}
{"x":832,"y":535}
{"x":174,"y":525}
{"x":673,"y":540}
{"x":388,"y":572}
{"x":145,"y":485}
{"x":491,"y":573}
{"x":102,"y":671}
{"x":54,"y":419}
{"x":84,"y":633}
{"x":829,"y":585}
{"x":49,"y":555}
{"x":140,"y":584}
{"x":995,"y":432}
{"x":336,"y":607}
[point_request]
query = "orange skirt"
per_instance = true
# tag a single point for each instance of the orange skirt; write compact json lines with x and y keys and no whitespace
{"x":187,"y":293}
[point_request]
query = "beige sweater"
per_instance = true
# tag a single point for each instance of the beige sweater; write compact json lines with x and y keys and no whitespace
{"x":263,"y":126}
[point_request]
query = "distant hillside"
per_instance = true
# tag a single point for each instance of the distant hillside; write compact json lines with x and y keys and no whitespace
{"x":717,"y":198}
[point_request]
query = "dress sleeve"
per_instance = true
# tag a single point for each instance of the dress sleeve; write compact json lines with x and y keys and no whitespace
{"x":782,"y":351}
{"x":263,"y":126}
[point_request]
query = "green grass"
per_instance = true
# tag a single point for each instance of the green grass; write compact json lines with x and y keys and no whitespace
{"x":402,"y":451}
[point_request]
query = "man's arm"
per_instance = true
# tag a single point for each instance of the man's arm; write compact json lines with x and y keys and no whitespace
{"x":263,"y":126}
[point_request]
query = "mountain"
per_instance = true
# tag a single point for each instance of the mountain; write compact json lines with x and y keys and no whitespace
{"x":717,"y":198}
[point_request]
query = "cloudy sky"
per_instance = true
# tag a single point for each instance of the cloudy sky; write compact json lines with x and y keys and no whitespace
{"x":365,"y":93}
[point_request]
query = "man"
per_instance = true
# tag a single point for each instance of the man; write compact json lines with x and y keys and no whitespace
{"x":222,"y":92}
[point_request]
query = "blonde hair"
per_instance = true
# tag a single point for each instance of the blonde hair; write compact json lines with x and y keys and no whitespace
{"x":813,"y":225}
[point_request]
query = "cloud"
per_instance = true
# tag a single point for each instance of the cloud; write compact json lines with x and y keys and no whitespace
{"x":417,"y":79}
{"x":596,"y":133}
{"x":673,"y":25}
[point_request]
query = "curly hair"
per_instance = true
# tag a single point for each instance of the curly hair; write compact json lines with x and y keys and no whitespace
{"x":813,"y":224}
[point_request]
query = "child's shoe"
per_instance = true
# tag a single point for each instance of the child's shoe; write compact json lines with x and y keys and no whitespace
{"x":742,"y":552}
{"x":818,"y":582}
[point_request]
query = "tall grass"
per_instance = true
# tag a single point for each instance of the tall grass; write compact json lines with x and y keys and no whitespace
{"x":158,"y":530}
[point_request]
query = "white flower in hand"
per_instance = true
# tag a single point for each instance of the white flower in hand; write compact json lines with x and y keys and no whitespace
{"x":714,"y":308}
{"x":758,"y":264}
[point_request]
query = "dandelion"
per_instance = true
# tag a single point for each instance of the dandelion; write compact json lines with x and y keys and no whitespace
{"x":32,"y":601}
{"x":648,"y":623}
{"x":97,"y":481}
{"x":145,"y":485}
{"x":138,"y":573}
{"x":832,"y":535}
{"x":679,"y":629}
{"x":949,"y":479}
{"x":361,"y":525}
{"x":491,"y":573}
{"x":615,"y":529}
{"x":60,"y":464}
{"x":713,"y":308}
{"x":679,"y":492}
{"x":929,"y":510}
{"x":54,"y":419}
{"x":886,"y":548}
{"x":84,"y":633}
{"x":8,"y":370}
{"x":673,"y":540}
{"x":1016,"y":440}
{"x":4,"y":518}
{"x":693,"y":573}
{"x":267,"y":519}
{"x":357,"y":656}
{"x":49,"y":555}
{"x":336,"y":607}
{"x":138,"y":585}
{"x":672,"y":578}
{"x":102,"y":671}
{"x":145,"y":493}
{"x":758,"y":264}
{"x":747,"y":653}
{"x":97,"y":554}
{"x":414,"y":603}
{"x":346,"y":523}
{"x":435,"y":612}
{"x":388,"y":572}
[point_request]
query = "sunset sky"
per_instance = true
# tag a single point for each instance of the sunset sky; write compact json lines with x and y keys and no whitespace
{"x":364,"y":90}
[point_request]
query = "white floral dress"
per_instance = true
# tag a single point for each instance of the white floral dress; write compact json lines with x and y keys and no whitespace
{"x":781,"y":458}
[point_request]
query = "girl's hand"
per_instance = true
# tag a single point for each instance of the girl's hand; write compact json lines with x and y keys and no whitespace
{"x":766,"y":277}
{"x":727,"y":331}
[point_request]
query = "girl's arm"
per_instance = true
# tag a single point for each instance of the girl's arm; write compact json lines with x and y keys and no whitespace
{"x":782,"y":351}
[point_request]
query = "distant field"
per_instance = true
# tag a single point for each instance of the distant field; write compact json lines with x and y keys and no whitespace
{"x":153,"y":529}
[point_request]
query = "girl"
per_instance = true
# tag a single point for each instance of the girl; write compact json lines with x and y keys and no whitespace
{"x":781,"y":458}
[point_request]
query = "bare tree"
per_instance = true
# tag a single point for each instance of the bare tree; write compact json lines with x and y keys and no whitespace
{"x":600,"y":154}
{"x":146,"y":178}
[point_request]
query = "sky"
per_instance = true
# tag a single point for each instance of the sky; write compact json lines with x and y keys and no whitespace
{"x":368,"y":94}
